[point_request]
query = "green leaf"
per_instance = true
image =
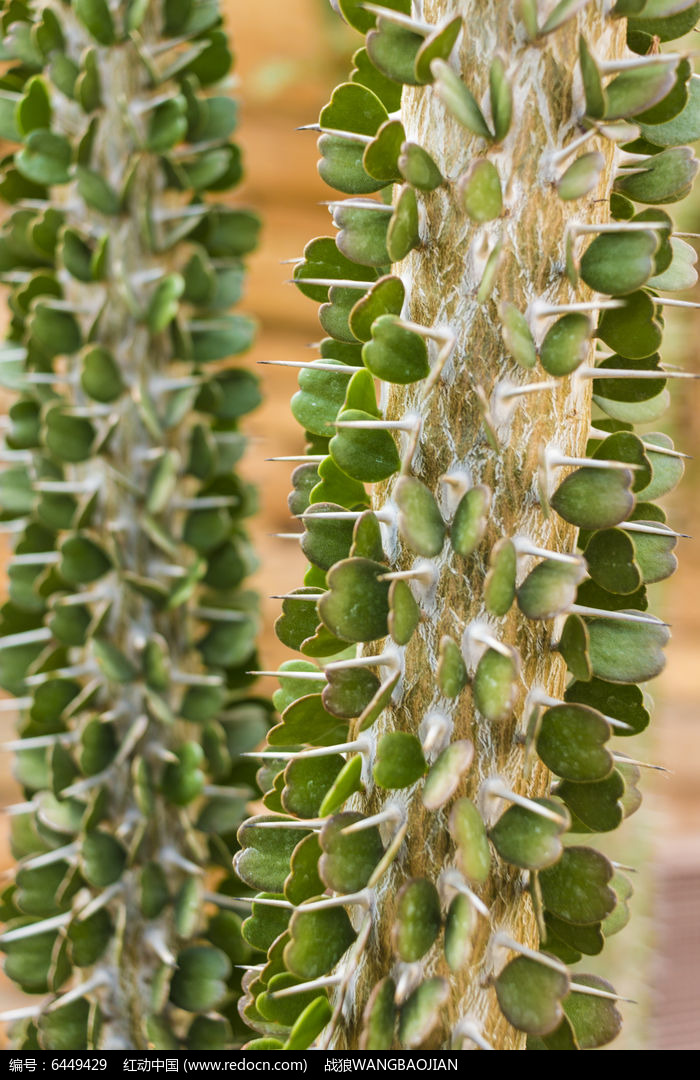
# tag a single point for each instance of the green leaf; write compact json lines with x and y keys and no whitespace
{"x":418,"y":919}
{"x":576,"y":889}
{"x":524,"y":838}
{"x":581,"y":177}
{"x":446,"y":773}
{"x":200,"y":979}
{"x":420,"y":522}
{"x":349,"y":859}
{"x":530,"y":994}
{"x":637,"y":89}
{"x":627,"y":652}
{"x":469,"y":834}
{"x":399,"y":760}
{"x":479,"y":191}
{"x":458,"y":99}
{"x":619,"y":262}
{"x":423,"y":1011}
{"x":566,"y":343}
{"x":665,"y":177}
{"x":356,"y":606}
{"x":45,"y":158}
{"x":96,"y":16}
{"x":595,"y":498}
{"x":495,"y":685}
{"x":365,"y":454}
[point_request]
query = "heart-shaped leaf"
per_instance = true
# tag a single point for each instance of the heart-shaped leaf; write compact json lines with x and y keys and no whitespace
{"x":664,"y":178}
{"x":596,"y":1021}
{"x":595,"y":498}
{"x":263,"y":861}
{"x":631,"y":330}
{"x":622,"y":702}
{"x":550,"y":589}
{"x":348,"y":859}
{"x":611,"y":561}
{"x":365,"y":454}
{"x":303,"y":881}
{"x":395,"y":353}
{"x":527,"y":839}
{"x":349,"y":691}
{"x":318,"y":939}
{"x":595,"y":807}
{"x":571,"y":742}
{"x":399,"y":761}
{"x":356,"y":606}
{"x":306,"y":782}
{"x":627,"y":652}
{"x":363,"y":232}
{"x":530,"y":994}
{"x":326,"y":542}
{"x":380,"y":158}
{"x":385,"y":297}
{"x":404,"y":612}
{"x":576,"y":889}
{"x":619,"y":262}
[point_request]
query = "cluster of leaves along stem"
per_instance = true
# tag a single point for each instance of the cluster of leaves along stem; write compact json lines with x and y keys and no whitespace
{"x":317,"y":855}
{"x":128,"y":629}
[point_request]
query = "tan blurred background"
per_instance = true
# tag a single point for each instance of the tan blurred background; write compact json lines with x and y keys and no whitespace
{"x":290,"y":53}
